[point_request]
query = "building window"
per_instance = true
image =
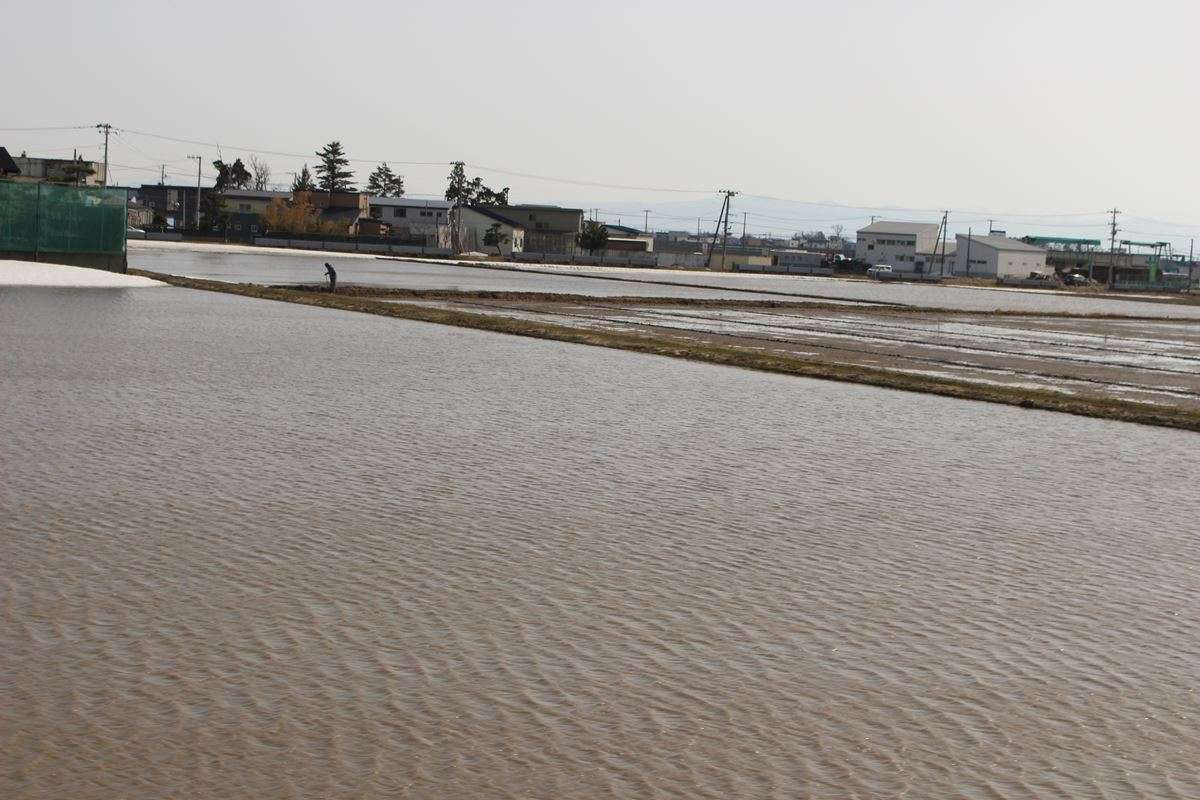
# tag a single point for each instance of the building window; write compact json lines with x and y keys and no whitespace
{"x":244,"y":207}
{"x":870,"y":247}
{"x":254,"y":229}
{"x":399,"y":212}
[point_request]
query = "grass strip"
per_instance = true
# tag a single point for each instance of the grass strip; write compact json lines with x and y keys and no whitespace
{"x":725,"y":355}
{"x":826,"y":304}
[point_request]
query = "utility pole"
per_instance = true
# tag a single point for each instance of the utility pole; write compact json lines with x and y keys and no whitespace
{"x":743,"y":227}
{"x":104,"y":126}
{"x":697,"y":227}
{"x":1191,"y":262}
{"x":646,"y":226}
{"x":722,"y":230}
{"x":199,"y":160}
{"x":945,"y":235}
{"x":162,"y":175}
{"x":968,"y":252}
{"x":873,"y":218}
{"x":1112,"y":247}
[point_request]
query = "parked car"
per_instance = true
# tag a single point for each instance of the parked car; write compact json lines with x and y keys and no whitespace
{"x":1076,"y":279}
{"x":878,"y":269}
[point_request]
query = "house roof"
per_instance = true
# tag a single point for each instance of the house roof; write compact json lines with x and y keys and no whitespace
{"x":623,"y":229}
{"x":541,"y":207}
{"x":408,"y":202}
{"x":1002,"y":243}
{"x":255,"y":193}
{"x":492,"y":214}
{"x":7,"y":165}
{"x":908,"y":228}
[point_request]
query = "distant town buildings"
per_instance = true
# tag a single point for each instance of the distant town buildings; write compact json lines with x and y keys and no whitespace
{"x":54,"y":170}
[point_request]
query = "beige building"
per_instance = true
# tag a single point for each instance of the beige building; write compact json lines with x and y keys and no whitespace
{"x":624,"y":239}
{"x":895,"y":243}
{"x":414,"y":218}
{"x":251,"y":201}
{"x":476,"y":221}
{"x":999,"y":257}
{"x":548,"y":229}
{"x":59,"y":170}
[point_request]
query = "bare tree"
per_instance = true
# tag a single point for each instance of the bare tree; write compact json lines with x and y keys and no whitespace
{"x":262,"y":172}
{"x":837,"y":231}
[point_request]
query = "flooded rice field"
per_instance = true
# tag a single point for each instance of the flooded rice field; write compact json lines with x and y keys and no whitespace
{"x":269,"y":266}
{"x":256,"y":549}
{"x":1156,"y":363}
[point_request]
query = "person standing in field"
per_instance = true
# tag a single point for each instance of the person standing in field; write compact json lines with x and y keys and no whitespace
{"x":331,"y":273}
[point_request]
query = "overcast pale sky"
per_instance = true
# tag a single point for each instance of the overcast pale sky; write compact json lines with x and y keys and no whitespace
{"x":1020,"y":108}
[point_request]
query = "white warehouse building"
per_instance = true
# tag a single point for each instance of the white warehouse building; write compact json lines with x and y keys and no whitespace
{"x":895,"y":243}
{"x":998,"y":257}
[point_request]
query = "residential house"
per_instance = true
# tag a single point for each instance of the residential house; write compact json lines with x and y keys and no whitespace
{"x":8,"y":167}
{"x":344,"y":209}
{"x":548,"y":229}
{"x":999,"y":257}
{"x":369,"y":226}
{"x":624,"y":239}
{"x":59,"y":170}
{"x":176,"y":204}
{"x":476,"y":221}
{"x":245,"y":208}
{"x":895,"y":243}
{"x":425,"y":222}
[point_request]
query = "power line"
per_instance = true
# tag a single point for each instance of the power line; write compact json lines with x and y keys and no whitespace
{"x":56,"y":128}
{"x":282,"y":154}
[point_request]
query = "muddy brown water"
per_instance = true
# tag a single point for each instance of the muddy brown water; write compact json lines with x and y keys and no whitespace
{"x":254,"y":549}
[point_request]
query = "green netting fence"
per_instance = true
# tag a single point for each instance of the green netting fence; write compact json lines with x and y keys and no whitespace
{"x":49,"y":218}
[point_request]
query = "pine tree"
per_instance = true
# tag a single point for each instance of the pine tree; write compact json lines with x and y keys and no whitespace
{"x":385,"y":183}
{"x":593,"y":237}
{"x":462,"y":191}
{"x":303,"y":181}
{"x":332,"y":173}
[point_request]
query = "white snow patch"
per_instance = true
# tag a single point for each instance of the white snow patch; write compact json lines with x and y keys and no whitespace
{"x":29,"y":273}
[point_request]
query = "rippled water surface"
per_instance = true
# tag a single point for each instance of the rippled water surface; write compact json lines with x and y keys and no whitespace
{"x":251,"y":549}
{"x":264,"y":265}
